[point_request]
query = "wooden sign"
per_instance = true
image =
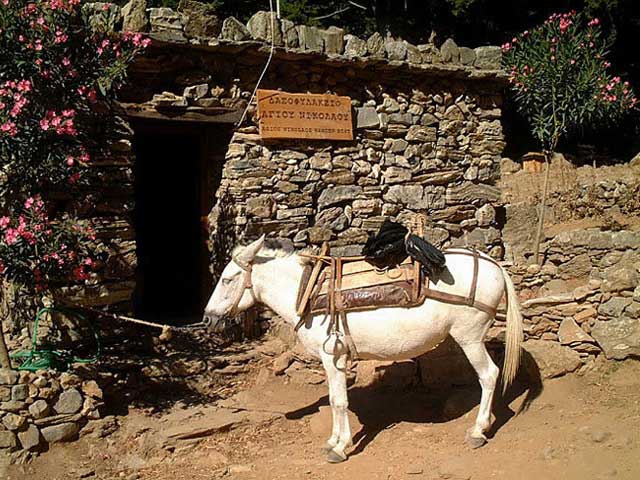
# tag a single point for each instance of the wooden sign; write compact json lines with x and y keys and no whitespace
{"x":302,"y":115}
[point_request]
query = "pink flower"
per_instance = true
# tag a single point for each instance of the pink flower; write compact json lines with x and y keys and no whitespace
{"x":572,"y":62}
{"x":66,"y":62}
{"x":44,"y":124}
{"x":553,"y":58}
{"x":106,"y":7}
{"x":9,"y":128}
{"x":4,"y":221}
{"x":29,"y":203}
{"x":70,"y":161}
{"x":595,"y":21}
{"x":11,"y":236}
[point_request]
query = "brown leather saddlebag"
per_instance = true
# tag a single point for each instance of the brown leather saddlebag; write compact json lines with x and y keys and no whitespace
{"x":363,"y":287}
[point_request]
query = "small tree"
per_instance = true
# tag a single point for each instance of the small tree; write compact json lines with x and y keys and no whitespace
{"x":561,"y":83}
{"x":57,"y":74}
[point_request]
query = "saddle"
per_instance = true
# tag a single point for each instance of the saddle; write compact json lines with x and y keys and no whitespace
{"x":352,"y":284}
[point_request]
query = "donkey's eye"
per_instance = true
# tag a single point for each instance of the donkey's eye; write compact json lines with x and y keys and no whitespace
{"x":226,"y":281}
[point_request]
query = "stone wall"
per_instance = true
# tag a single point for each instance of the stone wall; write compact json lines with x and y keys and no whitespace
{"x":432,"y":147}
{"x":45,"y":407}
{"x":585,"y":294}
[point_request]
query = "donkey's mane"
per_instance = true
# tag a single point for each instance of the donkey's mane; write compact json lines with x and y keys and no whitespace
{"x":276,"y":248}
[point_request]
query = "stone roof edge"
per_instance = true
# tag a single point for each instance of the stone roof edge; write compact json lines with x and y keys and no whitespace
{"x":196,"y":25}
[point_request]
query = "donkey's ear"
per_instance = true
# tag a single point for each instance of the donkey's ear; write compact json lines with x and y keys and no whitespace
{"x":248,"y":253}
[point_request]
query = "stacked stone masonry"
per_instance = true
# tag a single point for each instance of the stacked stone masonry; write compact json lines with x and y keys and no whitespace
{"x":45,"y":407}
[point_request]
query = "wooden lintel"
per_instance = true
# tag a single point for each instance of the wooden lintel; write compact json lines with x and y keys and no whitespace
{"x":209,"y":115}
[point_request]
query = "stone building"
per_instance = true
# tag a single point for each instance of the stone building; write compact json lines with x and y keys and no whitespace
{"x":427,"y":139}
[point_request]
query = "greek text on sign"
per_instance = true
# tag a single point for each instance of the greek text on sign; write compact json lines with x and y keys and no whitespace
{"x":301,"y":115}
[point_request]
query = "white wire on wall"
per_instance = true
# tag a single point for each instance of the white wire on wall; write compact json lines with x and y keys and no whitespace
{"x":266,"y":66}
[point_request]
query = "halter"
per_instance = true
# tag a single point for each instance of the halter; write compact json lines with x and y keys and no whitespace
{"x":246,"y":285}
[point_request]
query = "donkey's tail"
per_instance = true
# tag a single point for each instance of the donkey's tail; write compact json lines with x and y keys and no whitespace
{"x":514,"y":335}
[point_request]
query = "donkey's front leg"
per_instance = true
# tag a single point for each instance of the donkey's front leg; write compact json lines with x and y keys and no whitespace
{"x":335,"y":367}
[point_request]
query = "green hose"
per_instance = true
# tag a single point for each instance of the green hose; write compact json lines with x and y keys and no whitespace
{"x":49,"y":358}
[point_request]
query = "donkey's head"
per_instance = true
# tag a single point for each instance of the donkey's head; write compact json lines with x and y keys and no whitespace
{"x":234,"y":292}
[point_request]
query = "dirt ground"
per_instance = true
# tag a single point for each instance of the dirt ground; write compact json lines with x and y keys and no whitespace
{"x":578,"y":427}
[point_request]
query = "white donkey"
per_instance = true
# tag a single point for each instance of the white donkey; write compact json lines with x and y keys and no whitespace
{"x":260,"y":274}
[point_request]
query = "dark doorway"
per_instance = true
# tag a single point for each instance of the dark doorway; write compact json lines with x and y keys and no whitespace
{"x":177,"y":172}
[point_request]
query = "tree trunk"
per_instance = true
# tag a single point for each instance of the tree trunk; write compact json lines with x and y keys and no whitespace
{"x":543,"y":201}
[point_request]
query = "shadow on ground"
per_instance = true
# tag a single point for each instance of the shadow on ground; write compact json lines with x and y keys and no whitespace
{"x":378,"y":409}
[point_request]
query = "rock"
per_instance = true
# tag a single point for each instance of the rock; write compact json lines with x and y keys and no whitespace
{"x":168,"y":99}
{"x":585,"y":314}
{"x":552,"y":359}
{"x":395,"y":49}
{"x":103,"y":16}
{"x":614,"y":306}
{"x":260,"y":26}
{"x":599,"y":436}
{"x":617,"y":279}
{"x":260,"y":206}
{"x":13,"y":421}
{"x":508,"y":166}
{"x":450,"y":52}
{"x":310,"y":38}
{"x":39,"y":409}
{"x":234,"y":30}
{"x":367,"y":117}
{"x":166,"y":20}
{"x":202,"y":21}
{"x":282,"y":362}
{"x":569,"y":332}
{"x":467,"y":56}
{"x":415,"y":196}
{"x":68,"y":380}
{"x":29,"y":438}
{"x":488,"y":58}
{"x":134,"y":16}
{"x":60,"y":433}
{"x":70,"y":401}
{"x":472,"y":192}
{"x":618,"y":337}
{"x":5,"y":393}
{"x":289,"y":34}
{"x":8,"y":377}
{"x":413,"y":54}
{"x":13,"y":406}
{"x":485,"y":215}
{"x":430,"y":53}
{"x":338,"y":194}
{"x":375,"y":45}
{"x":92,"y":389}
{"x":339,"y":176}
{"x":321,"y":161}
{"x":19,"y":392}
{"x":578,"y":267}
{"x":418,"y":133}
{"x":196,"y":92}
{"x":8,"y":439}
{"x":355,"y":47}
{"x":396,"y":175}
{"x":333,"y":40}
{"x":396,"y":375}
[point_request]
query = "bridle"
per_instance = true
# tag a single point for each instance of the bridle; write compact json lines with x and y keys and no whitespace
{"x":247,"y":284}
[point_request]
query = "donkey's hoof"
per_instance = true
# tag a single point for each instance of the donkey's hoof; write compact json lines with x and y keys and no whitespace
{"x":475,"y":442}
{"x":326,"y":448}
{"x":334,"y":457}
